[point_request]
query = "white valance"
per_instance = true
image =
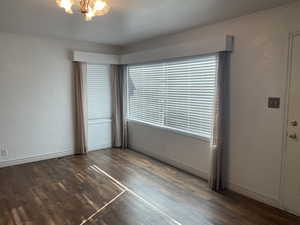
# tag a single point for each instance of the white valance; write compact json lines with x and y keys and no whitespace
{"x":185,"y":49}
{"x":95,"y":58}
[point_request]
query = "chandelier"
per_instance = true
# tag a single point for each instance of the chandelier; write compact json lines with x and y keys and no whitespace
{"x":88,"y":8}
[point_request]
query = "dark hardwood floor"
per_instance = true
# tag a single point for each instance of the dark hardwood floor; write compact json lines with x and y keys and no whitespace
{"x":115,"y":187}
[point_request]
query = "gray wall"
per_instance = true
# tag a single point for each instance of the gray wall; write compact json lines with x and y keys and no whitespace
{"x":258,"y":70}
{"x":180,"y":150}
{"x":36,"y":96}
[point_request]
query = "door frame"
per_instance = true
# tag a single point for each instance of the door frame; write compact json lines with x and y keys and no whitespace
{"x":286,"y":105}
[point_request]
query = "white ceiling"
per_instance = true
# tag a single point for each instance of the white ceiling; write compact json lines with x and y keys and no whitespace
{"x":128,"y":21}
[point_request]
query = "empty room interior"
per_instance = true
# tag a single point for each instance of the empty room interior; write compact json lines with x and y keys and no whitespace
{"x":150,"y":112}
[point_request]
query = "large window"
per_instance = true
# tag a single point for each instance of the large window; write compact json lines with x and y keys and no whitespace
{"x":178,"y":94}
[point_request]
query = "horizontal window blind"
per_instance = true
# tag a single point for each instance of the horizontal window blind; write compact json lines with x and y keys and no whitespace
{"x":177,"y":95}
{"x":98,"y":92}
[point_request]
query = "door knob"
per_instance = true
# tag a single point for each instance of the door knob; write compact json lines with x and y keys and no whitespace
{"x":293,"y":136}
{"x":294,"y":123}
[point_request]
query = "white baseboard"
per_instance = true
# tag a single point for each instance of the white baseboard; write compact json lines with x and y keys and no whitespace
{"x":36,"y":158}
{"x":254,"y":195}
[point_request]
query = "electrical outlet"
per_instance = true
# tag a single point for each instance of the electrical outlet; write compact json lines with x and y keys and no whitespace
{"x":3,"y":150}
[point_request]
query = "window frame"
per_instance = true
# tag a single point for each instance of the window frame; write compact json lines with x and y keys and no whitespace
{"x":167,"y":128}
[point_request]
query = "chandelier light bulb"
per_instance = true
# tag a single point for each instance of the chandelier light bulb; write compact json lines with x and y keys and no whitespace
{"x":66,"y":4}
{"x":99,"y":5}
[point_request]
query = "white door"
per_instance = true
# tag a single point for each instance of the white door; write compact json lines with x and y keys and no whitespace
{"x":291,"y":195}
{"x":99,"y":107}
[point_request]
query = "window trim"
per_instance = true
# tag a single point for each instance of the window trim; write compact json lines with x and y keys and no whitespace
{"x":173,"y":130}
{"x":165,"y":128}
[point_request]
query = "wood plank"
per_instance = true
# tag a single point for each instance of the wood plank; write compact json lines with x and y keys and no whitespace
{"x":69,"y":190}
{"x":130,"y":210}
{"x":186,"y":198}
{"x":62,"y":191}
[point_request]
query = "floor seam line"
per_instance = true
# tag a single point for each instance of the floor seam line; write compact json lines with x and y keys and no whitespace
{"x":122,"y":187}
{"x":102,"y":208}
{"x":135,"y":194}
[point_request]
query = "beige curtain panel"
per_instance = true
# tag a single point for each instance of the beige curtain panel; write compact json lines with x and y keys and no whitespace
{"x":80,"y":83}
{"x":219,"y":140}
{"x":119,"y":106}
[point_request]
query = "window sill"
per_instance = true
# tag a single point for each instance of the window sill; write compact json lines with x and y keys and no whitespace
{"x":177,"y":131}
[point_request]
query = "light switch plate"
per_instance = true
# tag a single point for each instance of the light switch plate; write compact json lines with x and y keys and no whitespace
{"x":274,"y":102}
